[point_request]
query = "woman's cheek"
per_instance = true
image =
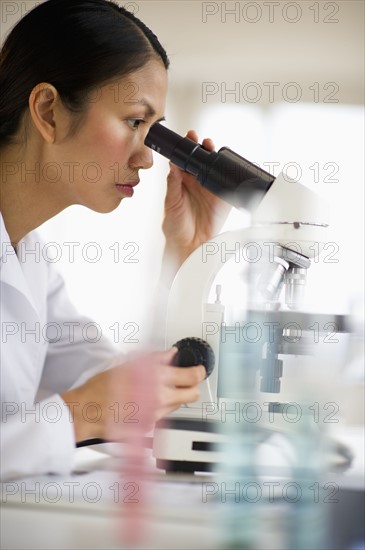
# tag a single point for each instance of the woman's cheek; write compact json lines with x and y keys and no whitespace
{"x":114,"y":145}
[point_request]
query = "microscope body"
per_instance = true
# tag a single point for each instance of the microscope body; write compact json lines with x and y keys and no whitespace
{"x":288,"y":227}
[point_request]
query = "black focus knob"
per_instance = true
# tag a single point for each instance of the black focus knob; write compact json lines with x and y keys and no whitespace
{"x":194,"y":351}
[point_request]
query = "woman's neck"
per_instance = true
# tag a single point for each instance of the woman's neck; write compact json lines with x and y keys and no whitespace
{"x":26,"y":199}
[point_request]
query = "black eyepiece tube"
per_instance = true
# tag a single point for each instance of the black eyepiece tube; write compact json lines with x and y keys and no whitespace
{"x":226,"y":174}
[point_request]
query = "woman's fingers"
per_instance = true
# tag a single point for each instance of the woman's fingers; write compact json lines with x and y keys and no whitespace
{"x":166,"y":357}
{"x":191,"y":134}
{"x":173,"y":398}
{"x":184,"y":377}
{"x":145,"y":389}
{"x":177,"y":386}
{"x":207,"y":143}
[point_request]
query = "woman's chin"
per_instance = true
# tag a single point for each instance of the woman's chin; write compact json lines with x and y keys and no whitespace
{"x":105,"y":208}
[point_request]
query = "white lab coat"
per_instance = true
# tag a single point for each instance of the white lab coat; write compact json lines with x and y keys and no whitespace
{"x":36,"y":427}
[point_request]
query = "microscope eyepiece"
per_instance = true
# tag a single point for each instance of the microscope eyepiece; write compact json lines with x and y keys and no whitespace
{"x":224,"y":173}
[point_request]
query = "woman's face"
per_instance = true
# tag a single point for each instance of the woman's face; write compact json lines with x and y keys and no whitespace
{"x":101,"y":162}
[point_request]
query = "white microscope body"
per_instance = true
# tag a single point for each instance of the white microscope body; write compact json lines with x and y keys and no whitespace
{"x":290,"y":217}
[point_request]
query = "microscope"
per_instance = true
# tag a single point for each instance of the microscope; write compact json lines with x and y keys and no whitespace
{"x":288,"y":229}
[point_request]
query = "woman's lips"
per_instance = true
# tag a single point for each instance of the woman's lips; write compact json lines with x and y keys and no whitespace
{"x":127,"y":188}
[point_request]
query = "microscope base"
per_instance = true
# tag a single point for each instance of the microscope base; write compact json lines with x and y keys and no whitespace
{"x":184,"y":466}
{"x":191,"y":445}
{"x":187,"y":445}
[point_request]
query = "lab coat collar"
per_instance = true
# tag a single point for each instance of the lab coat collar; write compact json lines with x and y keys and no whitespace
{"x":12,"y":273}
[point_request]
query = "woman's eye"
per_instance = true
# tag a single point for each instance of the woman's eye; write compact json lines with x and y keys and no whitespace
{"x":134,"y":122}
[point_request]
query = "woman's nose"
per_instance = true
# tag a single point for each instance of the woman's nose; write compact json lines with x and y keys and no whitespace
{"x":144,"y":158}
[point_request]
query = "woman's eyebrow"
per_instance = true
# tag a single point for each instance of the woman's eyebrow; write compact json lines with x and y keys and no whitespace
{"x":150,"y":112}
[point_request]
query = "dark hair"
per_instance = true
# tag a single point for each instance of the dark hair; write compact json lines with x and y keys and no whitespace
{"x":75,"y":45}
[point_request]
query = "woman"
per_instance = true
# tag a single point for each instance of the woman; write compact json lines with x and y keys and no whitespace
{"x":81,"y":81}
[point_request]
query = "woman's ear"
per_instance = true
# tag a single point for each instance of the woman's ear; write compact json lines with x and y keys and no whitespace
{"x":43,"y":100}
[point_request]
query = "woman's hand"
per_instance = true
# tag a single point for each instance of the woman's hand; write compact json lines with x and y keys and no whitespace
{"x":193,"y":215}
{"x":131,"y":397}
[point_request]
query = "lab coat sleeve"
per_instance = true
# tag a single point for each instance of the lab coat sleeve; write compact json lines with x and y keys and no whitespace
{"x":38,"y":439}
{"x":37,"y":435}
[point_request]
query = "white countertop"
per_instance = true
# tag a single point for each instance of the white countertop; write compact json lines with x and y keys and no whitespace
{"x":93,"y":508}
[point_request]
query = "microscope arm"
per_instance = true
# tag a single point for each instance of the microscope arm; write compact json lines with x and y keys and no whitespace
{"x":290,"y":215}
{"x":192,"y":284}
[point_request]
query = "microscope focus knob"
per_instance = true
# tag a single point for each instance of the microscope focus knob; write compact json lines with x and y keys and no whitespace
{"x":194,"y":351}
